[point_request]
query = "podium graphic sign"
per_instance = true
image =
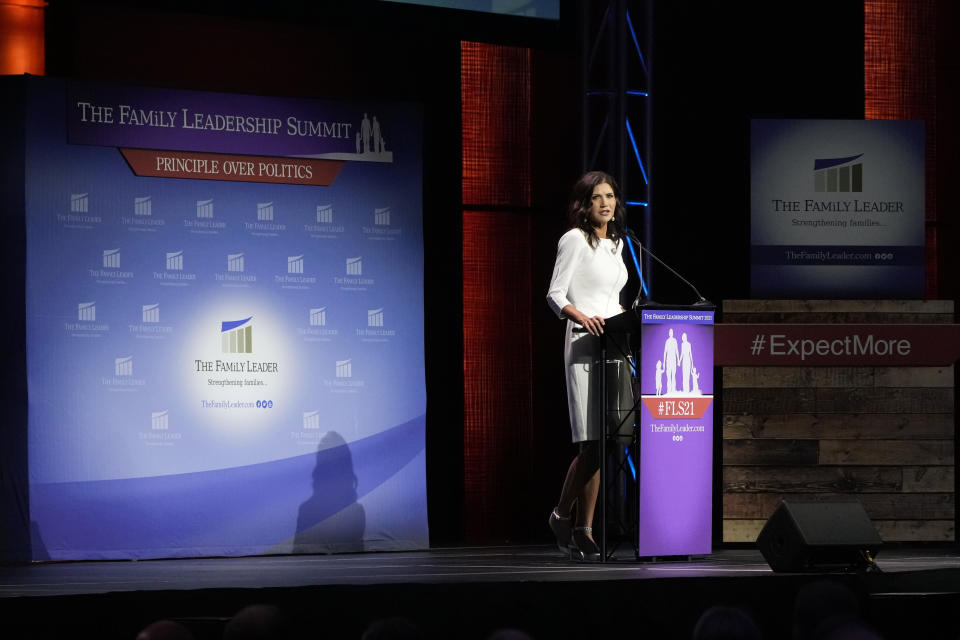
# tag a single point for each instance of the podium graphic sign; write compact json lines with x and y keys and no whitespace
{"x":676,"y":432}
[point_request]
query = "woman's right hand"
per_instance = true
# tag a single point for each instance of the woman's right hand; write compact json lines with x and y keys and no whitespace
{"x":592,"y":324}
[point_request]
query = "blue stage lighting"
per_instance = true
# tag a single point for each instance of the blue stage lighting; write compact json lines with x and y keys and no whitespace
{"x":633,"y":34}
{"x":636,"y":152}
{"x":636,"y":264}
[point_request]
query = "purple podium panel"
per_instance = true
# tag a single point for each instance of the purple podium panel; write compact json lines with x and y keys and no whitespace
{"x":676,"y":432}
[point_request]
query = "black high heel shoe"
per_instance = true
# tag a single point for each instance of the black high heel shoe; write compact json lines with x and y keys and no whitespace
{"x":583,"y":548}
{"x":561,"y":528}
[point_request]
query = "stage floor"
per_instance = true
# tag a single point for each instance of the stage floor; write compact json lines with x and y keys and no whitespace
{"x":468,"y":592}
{"x":439,"y":566}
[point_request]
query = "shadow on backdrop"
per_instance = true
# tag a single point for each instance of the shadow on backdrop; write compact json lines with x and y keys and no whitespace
{"x":37,"y":546}
{"x":331,"y":520}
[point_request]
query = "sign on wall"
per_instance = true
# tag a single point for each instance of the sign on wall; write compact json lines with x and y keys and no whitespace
{"x":224,"y":323}
{"x":837,"y":209}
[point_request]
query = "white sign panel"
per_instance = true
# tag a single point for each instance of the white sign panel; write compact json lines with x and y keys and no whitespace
{"x":837,"y":209}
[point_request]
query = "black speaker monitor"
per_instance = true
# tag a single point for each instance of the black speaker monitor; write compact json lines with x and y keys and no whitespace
{"x":819,"y":536}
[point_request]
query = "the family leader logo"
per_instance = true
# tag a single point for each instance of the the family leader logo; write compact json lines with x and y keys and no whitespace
{"x":79,"y":216}
{"x":143,"y":206}
{"x":79,"y":203}
{"x":160,"y":434}
{"x":159,"y":421}
{"x":309,"y":434}
{"x":86,"y":325}
{"x":236,"y":336}
{"x":842,"y":175}
{"x":111,"y":258}
{"x":87,"y":312}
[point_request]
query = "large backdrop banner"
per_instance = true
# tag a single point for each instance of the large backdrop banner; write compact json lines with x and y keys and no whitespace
{"x":224,"y":323}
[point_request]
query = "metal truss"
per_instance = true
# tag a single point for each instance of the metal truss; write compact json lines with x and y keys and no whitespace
{"x":616,"y":81}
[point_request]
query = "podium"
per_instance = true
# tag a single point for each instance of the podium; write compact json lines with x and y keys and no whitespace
{"x":673,"y":437}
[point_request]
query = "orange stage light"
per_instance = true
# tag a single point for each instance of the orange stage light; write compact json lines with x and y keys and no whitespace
{"x":900,"y":83}
{"x":21,"y":37}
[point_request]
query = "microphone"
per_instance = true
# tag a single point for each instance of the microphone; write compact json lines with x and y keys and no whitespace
{"x":701,"y":301}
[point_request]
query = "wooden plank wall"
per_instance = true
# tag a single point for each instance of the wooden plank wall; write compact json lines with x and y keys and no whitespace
{"x":884,"y":435}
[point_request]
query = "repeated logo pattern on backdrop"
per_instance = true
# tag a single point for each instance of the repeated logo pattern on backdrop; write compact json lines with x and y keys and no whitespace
{"x":220,"y":366}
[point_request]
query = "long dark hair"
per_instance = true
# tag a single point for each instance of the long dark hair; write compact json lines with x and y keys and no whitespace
{"x":581,"y":198}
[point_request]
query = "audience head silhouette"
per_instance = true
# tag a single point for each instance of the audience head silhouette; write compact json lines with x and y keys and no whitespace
{"x":165,"y":630}
{"x":821,"y":606}
{"x":509,"y":634}
{"x":726,"y":623}
{"x":257,"y":622}
{"x":392,"y":629}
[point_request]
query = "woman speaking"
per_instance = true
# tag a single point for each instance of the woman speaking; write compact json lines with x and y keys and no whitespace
{"x":588,"y":276}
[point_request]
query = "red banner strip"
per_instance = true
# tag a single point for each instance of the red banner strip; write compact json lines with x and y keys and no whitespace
{"x":195,"y":165}
{"x":836,"y":345}
{"x":689,"y":408}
